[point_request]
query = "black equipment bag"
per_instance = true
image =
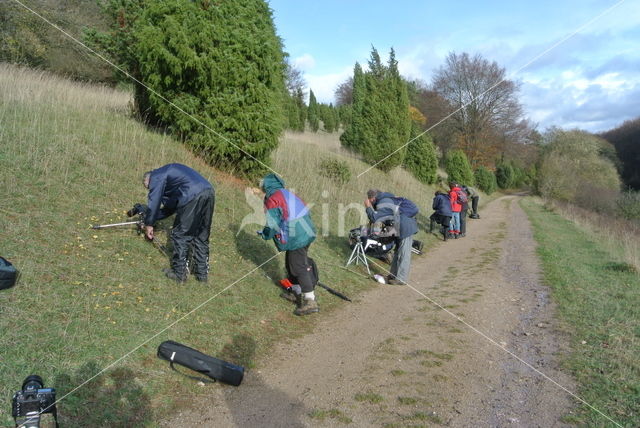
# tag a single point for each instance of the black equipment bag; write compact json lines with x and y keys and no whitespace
{"x":8,"y":274}
{"x":215,"y":368}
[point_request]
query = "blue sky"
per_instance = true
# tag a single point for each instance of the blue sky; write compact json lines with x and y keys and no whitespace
{"x":590,"y":81}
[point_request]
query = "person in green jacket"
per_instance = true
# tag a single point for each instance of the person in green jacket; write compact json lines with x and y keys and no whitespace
{"x":475,"y":198}
{"x":289,"y":224}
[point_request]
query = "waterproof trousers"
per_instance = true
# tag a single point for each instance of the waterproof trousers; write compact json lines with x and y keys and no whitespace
{"x":190,"y":234}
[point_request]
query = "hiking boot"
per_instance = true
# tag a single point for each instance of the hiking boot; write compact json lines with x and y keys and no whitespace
{"x":395,"y":282}
{"x":307,"y":307}
{"x":289,"y":296}
{"x":169,"y":273}
{"x":202,"y":278}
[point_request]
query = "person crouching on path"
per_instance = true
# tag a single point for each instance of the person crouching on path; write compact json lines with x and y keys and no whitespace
{"x":442,"y":214}
{"x":176,"y":188}
{"x":289,"y":224}
{"x":456,"y":207}
{"x":382,"y":206}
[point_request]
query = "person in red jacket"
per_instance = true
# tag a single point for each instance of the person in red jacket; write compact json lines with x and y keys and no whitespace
{"x":456,"y":207}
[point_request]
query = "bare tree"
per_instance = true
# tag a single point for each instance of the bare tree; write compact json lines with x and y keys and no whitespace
{"x":294,"y":80}
{"x":487,"y":113}
{"x":344,"y":92}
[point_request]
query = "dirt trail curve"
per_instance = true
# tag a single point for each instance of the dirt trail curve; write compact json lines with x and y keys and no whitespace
{"x":394,"y":358}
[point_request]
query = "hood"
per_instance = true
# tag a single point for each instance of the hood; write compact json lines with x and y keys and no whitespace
{"x":271,"y":183}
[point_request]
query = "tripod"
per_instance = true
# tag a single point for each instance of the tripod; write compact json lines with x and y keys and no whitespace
{"x":358,"y":255}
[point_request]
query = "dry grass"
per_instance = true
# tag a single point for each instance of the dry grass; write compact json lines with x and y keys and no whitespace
{"x":620,"y":236}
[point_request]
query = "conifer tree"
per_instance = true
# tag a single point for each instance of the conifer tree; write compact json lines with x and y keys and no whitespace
{"x":313,"y":113}
{"x":220,"y":63}
{"x":458,"y":168}
{"x":421,"y":160}
{"x":351,"y":135}
{"x":380,"y":122}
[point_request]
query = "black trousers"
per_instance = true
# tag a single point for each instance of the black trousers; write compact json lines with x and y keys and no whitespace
{"x":300,"y":269}
{"x":442,"y":220}
{"x":463,"y":218}
{"x":191,"y":230}
{"x":474,"y":204}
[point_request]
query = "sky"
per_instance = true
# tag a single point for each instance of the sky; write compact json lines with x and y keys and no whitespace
{"x":578,"y":62}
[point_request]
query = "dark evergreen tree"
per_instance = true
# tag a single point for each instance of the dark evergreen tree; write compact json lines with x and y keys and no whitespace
{"x":485,"y":180}
{"x":421,"y":159}
{"x":351,"y":134}
{"x":380,"y":122}
{"x":458,"y":168}
{"x":313,"y":113}
{"x":220,"y":63}
{"x":505,"y":175}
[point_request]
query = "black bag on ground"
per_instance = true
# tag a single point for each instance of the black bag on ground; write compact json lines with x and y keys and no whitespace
{"x":8,"y":274}
{"x":212,"y":367}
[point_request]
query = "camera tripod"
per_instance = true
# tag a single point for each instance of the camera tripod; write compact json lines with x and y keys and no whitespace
{"x":358,"y":255}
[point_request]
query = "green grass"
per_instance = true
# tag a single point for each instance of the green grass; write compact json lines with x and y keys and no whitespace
{"x":336,"y":414}
{"x":369,"y":397}
{"x":599,"y":304}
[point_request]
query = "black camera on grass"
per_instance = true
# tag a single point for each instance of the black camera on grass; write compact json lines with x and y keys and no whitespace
{"x":32,"y":401}
{"x":137,"y":209}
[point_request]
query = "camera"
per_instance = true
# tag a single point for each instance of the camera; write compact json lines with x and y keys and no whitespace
{"x":137,"y":209}
{"x":32,"y":401}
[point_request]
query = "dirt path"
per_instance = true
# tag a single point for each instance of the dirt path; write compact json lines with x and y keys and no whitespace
{"x":395,"y":358}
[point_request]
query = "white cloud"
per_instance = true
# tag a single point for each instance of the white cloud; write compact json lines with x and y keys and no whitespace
{"x":324,"y":85}
{"x":305,"y":62}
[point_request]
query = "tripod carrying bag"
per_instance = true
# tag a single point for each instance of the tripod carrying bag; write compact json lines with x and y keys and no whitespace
{"x":8,"y":274}
{"x":212,"y":367}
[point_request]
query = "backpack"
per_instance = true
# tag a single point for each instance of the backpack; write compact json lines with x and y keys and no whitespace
{"x":462,"y":197}
{"x":407,"y":207}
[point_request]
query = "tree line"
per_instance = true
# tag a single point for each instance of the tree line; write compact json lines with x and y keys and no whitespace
{"x":223,"y":64}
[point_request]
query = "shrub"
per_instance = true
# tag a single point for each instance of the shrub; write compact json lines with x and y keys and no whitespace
{"x":505,"y":176}
{"x":420,"y":159}
{"x":628,"y":204}
{"x":220,"y":63}
{"x":485,"y":180}
{"x":572,"y":164}
{"x":335,"y":169}
{"x":458,"y":168}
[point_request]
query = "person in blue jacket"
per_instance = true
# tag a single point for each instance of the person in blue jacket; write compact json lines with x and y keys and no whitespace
{"x":383,"y":206}
{"x":442,"y":215}
{"x":180,"y":190}
{"x":289,"y":224}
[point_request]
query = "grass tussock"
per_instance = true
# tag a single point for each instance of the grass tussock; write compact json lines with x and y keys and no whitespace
{"x":600,"y":307}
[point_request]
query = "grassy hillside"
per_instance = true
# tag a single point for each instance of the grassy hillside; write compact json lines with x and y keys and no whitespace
{"x":71,"y":156}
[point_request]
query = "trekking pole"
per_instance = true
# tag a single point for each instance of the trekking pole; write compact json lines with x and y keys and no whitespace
{"x":104,"y":226}
{"x":334,"y":292}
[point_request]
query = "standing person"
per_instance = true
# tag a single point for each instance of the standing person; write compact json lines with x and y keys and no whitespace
{"x":456,"y":207}
{"x":382,"y":206}
{"x":474,"y":197}
{"x":176,"y":188}
{"x":463,"y":200}
{"x":289,"y":224}
{"x":442,"y":214}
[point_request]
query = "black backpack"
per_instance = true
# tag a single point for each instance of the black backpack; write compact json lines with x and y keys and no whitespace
{"x":8,"y":274}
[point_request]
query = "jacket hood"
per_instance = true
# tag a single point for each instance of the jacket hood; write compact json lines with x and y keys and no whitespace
{"x":272,"y":183}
